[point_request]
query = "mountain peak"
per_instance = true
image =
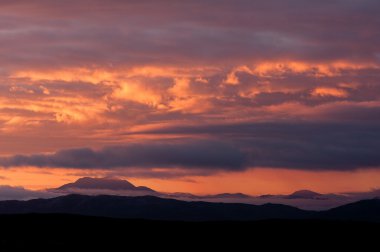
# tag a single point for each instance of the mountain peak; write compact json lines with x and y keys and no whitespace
{"x":304,"y":194}
{"x":103,"y":184}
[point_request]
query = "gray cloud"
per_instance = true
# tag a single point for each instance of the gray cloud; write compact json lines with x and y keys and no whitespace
{"x":169,"y":32}
{"x":297,"y":145}
{"x":193,"y":154}
{"x":20,"y":193}
{"x":305,"y":146}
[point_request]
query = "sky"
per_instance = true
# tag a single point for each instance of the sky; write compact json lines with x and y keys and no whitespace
{"x":202,"y":96}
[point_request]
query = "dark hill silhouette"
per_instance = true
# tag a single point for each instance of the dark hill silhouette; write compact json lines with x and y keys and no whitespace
{"x":364,"y":210}
{"x":150,"y":207}
{"x":154,"y":208}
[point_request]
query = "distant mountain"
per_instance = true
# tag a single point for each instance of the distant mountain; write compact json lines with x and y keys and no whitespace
{"x":150,"y":207}
{"x":103,"y":184}
{"x":154,"y":208}
{"x":304,"y":199}
{"x":106,"y":186}
{"x":304,"y":194}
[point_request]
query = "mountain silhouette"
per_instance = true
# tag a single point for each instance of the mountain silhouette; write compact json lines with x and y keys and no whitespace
{"x":150,"y":207}
{"x":155,"y":208}
{"x":304,"y":194}
{"x":103,"y":184}
{"x":364,"y":210}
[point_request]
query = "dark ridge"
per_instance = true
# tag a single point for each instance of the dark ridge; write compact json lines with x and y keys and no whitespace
{"x":155,"y":208}
{"x":152,"y":208}
{"x":364,"y":210}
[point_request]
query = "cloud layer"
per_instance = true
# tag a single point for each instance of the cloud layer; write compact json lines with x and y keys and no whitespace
{"x":196,"y":155}
{"x":306,"y":146}
{"x":288,"y":84}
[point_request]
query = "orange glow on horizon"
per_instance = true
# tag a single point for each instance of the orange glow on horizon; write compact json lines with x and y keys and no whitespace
{"x":254,"y":181}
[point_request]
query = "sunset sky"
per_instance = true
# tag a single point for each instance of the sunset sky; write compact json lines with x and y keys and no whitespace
{"x":200,"y":96}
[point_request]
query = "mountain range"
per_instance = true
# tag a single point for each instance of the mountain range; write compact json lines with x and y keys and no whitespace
{"x":87,"y":185}
{"x":155,"y":208}
{"x":303,"y":199}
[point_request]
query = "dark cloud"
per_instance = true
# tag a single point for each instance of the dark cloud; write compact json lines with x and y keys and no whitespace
{"x":297,"y":145}
{"x":306,"y":146}
{"x":199,"y":154}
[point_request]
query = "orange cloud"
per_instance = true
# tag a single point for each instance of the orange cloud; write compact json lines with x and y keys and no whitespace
{"x":126,"y":88}
{"x":96,"y":75}
{"x":328,"y":69}
{"x":89,"y":75}
{"x":328,"y":91}
{"x":232,"y":79}
{"x":186,"y":100}
{"x":143,"y":94}
{"x":278,"y":68}
{"x":187,"y":90}
{"x":61,"y":109}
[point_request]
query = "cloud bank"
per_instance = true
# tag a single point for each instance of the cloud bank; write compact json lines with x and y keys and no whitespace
{"x":305,"y":146}
{"x":196,"y":155}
